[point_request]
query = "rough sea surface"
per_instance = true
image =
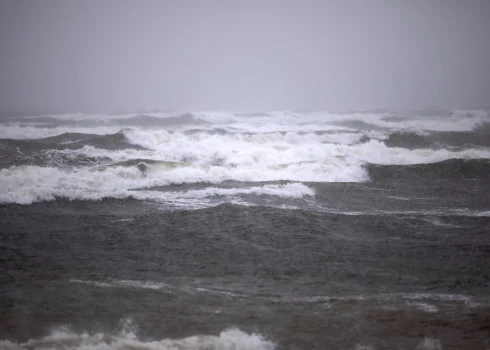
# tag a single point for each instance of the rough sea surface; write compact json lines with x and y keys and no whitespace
{"x":278,"y":230}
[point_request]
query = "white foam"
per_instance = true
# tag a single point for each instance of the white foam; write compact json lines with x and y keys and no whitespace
{"x":433,"y":296}
{"x":427,"y":212}
{"x":377,"y":152}
{"x":483,"y":213}
{"x":185,"y":158}
{"x":438,"y":222}
{"x":458,"y":120}
{"x":429,"y":344}
{"x":62,"y":338}
{"x":416,"y":299}
{"x":364,"y":347}
{"x":124,"y":283}
{"x":160,"y":286}
{"x":290,"y":190}
{"x":196,"y":158}
{"x":278,"y":149}
{"x":28,"y":184}
{"x":266,"y":122}
{"x":425,"y":307}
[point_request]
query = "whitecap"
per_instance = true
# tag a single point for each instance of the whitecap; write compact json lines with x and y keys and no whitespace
{"x":66,"y":339}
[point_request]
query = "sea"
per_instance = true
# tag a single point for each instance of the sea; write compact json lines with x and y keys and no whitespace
{"x":361,"y":230}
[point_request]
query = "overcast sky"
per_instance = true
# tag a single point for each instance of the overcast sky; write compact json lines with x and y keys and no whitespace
{"x":74,"y":55}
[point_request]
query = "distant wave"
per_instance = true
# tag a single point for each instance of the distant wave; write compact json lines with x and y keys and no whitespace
{"x":450,"y":169}
{"x":265,"y":122}
{"x":438,"y":140}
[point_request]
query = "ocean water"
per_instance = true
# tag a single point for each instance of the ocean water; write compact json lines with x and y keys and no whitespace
{"x":277,"y":230}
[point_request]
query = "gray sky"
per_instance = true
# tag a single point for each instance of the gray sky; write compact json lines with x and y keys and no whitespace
{"x":92,"y":55}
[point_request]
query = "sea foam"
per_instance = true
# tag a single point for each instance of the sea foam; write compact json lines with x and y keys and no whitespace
{"x":66,"y":339}
{"x":188,"y":159}
{"x":29,"y":184}
{"x":214,"y":148}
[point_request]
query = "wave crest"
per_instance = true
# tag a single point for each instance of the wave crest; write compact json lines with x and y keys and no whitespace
{"x":62,"y":338}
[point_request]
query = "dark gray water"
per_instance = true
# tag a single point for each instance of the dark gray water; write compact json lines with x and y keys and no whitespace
{"x":170,"y":247}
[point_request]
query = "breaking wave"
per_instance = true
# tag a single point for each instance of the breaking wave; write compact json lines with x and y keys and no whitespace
{"x":29,"y":184}
{"x":92,"y":158}
{"x":64,"y":338}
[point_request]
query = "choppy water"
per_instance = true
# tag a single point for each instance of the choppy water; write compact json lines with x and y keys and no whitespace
{"x":245,"y":231}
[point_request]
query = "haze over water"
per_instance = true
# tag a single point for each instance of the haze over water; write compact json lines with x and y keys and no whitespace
{"x":244,"y":175}
{"x":112,"y":56}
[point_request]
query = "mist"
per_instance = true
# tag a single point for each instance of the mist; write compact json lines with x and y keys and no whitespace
{"x":92,"y":56}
